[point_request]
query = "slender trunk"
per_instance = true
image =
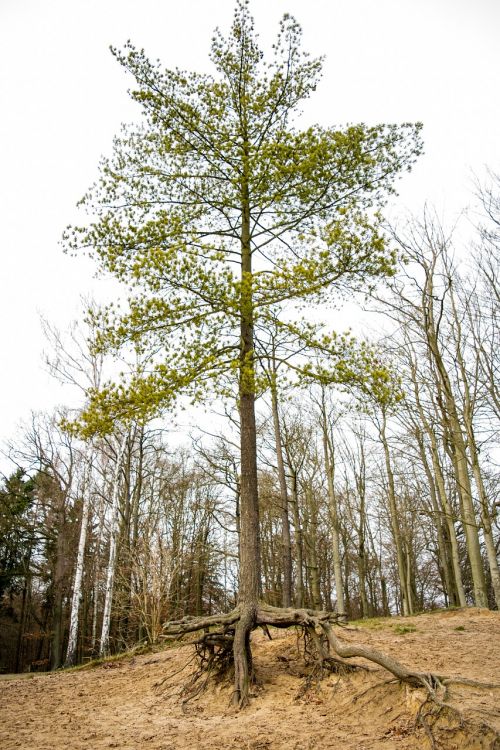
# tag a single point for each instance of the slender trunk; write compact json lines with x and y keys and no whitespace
{"x":59,"y":585}
{"x":377,"y":562}
{"x":362,"y":565}
{"x":410,"y":579}
{"x":385,"y":601}
{"x":362,"y":526}
{"x":456,"y":444}
{"x":113,"y":548}
{"x":56,"y":643}
{"x":26,"y":596}
{"x":457,"y":588}
{"x":449,"y":516}
{"x":468,"y":419}
{"x":299,"y":543}
{"x":456,"y":450}
{"x":446,"y":568}
{"x":311,"y":534}
{"x":314,"y":578}
{"x":346,"y":577}
{"x":71,"y":650}
{"x":97,"y":576}
{"x":135,"y":525}
{"x":489,"y":542}
{"x":285,"y":520}
{"x":396,"y":535}
{"x":333,"y":508}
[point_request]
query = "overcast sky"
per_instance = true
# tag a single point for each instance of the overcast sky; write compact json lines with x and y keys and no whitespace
{"x":63,"y":97}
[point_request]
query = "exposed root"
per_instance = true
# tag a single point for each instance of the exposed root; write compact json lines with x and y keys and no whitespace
{"x":214,"y":652}
{"x":433,"y":710}
{"x":224,"y":649}
{"x":179,"y":628}
{"x":316,"y":653}
{"x":171,"y":676}
{"x":321,"y":645}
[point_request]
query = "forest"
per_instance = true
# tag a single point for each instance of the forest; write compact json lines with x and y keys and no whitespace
{"x":352,"y":472}
{"x":366,"y":508}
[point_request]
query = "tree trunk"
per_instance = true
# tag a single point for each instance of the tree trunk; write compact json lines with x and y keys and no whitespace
{"x":407,"y":604}
{"x":285,"y":520}
{"x":455,"y":447}
{"x":329,"y":456}
{"x":249,"y":587}
{"x":25,"y":604}
{"x":489,"y":542}
{"x":444,"y":553}
{"x":456,"y":585}
{"x":113,"y":548}
{"x":299,"y":542}
{"x":77,"y":586}
{"x":456,"y":443}
{"x":468,"y":419}
{"x":311,"y":535}
{"x":59,"y":582}
{"x":97,"y":575}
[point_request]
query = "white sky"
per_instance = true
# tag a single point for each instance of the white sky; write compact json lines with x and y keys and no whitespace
{"x":63,"y":97}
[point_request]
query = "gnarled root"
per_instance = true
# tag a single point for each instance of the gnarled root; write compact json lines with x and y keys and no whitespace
{"x":225,"y":646}
{"x":431,"y":682}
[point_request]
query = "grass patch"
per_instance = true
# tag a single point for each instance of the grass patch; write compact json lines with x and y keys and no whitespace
{"x":404,"y":629}
{"x":442,"y":610}
{"x":371,"y":623}
{"x":459,"y":627}
{"x":93,"y":663}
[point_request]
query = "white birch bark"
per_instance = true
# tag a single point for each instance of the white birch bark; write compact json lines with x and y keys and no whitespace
{"x":96,"y":573}
{"x":113,"y":545}
{"x":77,"y":586}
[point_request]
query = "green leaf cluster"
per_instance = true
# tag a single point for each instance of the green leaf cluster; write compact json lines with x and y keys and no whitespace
{"x":217,"y":208}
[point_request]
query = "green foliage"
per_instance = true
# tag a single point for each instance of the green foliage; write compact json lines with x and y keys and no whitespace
{"x":218,"y":208}
{"x":16,"y":536}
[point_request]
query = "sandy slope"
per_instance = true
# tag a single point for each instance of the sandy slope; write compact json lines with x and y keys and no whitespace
{"x":119,"y":705}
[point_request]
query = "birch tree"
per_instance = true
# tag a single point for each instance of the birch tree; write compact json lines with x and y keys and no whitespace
{"x":113,"y":542}
{"x":71,"y":649}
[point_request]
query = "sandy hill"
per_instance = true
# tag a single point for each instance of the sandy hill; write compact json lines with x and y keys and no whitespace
{"x":121,"y":704}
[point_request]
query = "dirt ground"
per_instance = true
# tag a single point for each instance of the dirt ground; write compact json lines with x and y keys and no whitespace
{"x":121,"y":705}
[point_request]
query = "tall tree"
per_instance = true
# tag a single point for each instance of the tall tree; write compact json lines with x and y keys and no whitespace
{"x":329,"y":458}
{"x":113,"y":543}
{"x":16,"y":497}
{"x":214,"y":211}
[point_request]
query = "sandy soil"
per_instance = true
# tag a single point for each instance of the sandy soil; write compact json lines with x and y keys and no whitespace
{"x":120,"y":705}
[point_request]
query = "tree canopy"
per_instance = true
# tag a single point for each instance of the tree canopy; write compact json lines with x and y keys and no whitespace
{"x":218,"y":208}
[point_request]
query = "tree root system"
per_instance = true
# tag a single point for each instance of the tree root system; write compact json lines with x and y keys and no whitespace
{"x":223,"y":651}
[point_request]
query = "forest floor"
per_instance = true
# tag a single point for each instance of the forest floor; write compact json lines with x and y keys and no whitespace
{"x":120,"y":704}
